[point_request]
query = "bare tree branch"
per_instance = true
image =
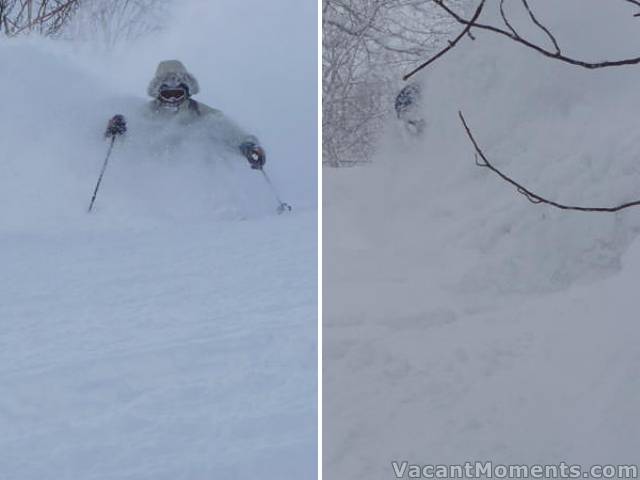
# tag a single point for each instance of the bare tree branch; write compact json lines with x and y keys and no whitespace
{"x":47,"y":17}
{"x":111,"y":24}
{"x":505,"y":19}
{"x":451,"y":45}
{"x":481,"y":160}
{"x":542,"y":27}
{"x":513,"y":35}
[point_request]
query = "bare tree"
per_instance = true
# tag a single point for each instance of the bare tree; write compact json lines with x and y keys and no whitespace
{"x":46,"y":17}
{"x":365,"y":43}
{"x":117,"y":22}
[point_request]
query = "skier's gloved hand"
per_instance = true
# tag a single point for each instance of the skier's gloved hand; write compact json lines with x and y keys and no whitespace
{"x":255,"y":154}
{"x":116,"y":126}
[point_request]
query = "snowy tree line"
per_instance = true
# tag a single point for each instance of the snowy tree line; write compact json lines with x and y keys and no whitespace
{"x":366,"y":47}
{"x":109,"y":22}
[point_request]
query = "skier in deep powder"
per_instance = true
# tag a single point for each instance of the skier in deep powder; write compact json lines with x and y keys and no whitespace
{"x":171,"y":89}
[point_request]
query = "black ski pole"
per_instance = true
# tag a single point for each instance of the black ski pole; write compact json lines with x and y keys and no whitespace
{"x":282,"y":206}
{"x":104,"y":167}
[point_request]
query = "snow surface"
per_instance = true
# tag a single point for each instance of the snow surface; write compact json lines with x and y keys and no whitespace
{"x":463,"y":323}
{"x":171,"y":334}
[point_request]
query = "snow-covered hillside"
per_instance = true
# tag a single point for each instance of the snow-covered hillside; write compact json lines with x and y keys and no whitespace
{"x":461,"y":321}
{"x":172,"y":332}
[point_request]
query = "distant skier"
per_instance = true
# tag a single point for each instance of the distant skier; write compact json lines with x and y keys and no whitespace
{"x":408,"y":107}
{"x":171,"y":89}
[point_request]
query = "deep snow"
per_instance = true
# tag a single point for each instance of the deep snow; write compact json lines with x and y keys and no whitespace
{"x":463,"y":323}
{"x":184,"y":351}
{"x":171,"y":333}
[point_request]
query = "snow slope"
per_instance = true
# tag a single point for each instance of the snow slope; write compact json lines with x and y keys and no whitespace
{"x":171,"y":333}
{"x":462,"y":322}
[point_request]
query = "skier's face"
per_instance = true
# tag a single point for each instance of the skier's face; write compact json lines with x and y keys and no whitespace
{"x":172,"y":92}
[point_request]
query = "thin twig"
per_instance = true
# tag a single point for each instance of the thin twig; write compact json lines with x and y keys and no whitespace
{"x":481,"y":160}
{"x":506,"y":20}
{"x":542,"y":27}
{"x":548,"y":53}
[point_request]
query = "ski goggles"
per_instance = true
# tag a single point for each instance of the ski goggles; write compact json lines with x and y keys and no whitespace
{"x":173,"y":94}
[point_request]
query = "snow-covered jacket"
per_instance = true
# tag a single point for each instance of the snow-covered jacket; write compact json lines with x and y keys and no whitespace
{"x":191,"y":112}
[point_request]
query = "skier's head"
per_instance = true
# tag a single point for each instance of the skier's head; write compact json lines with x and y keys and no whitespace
{"x":172,"y":84}
{"x":408,"y":107}
{"x":409,"y":99}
